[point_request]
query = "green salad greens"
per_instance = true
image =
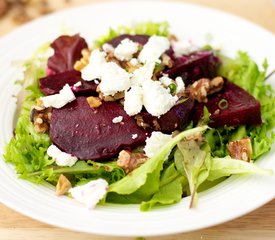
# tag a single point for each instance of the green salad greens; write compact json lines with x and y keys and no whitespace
{"x":180,"y":168}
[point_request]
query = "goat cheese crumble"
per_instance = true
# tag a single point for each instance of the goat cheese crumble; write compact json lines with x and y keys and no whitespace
{"x":125,"y":50}
{"x":155,"y":143}
{"x":61,"y":158}
{"x":133,"y":101}
{"x":117,"y":119}
{"x":183,"y":47}
{"x":143,"y":74}
{"x":90,"y":193}
{"x":156,"y":99}
{"x":153,"y":49}
{"x":60,"y":99}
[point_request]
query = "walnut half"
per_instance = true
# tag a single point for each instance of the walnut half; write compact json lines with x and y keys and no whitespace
{"x":240,"y":149}
{"x":63,"y":185}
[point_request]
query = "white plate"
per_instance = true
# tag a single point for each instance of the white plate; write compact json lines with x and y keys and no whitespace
{"x":230,"y":199}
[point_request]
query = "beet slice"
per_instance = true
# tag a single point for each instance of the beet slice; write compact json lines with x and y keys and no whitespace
{"x":232,"y":106}
{"x":54,"y":83}
{"x":139,"y":38}
{"x":194,"y":66}
{"x":67,"y":50}
{"x":89,"y":133}
{"x":177,"y":118}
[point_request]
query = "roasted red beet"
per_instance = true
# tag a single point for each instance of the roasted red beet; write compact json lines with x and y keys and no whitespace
{"x":176,"y":118}
{"x":141,"y":39}
{"x":54,"y":83}
{"x":89,"y":133}
{"x":67,"y":50}
{"x":232,"y":106}
{"x":194,"y":66}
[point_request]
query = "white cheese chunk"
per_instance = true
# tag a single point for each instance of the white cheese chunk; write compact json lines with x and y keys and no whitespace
{"x":61,"y":158}
{"x":78,"y":84}
{"x":134,"y":61}
{"x":134,"y":136}
{"x":107,"y":48}
{"x":133,"y":101}
{"x":143,"y":74}
{"x":183,"y":47}
{"x":156,"y":99}
{"x":180,"y":84}
{"x":117,"y":119}
{"x":155,"y":143}
{"x":125,"y":50}
{"x":60,"y":99}
{"x":94,"y":69}
{"x":90,"y":193}
{"x":153,"y":49}
{"x":165,"y":80}
{"x":114,"y":79}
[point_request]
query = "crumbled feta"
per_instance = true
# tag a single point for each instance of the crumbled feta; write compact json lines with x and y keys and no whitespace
{"x":61,"y":158}
{"x":94,"y":69}
{"x":107,"y":48}
{"x":155,"y":143}
{"x":156,"y":99}
{"x":143,"y":74}
{"x":180,"y":84}
{"x":114,"y":79}
{"x":133,"y":101}
{"x":165,"y":80}
{"x":134,"y":136}
{"x":134,"y":61}
{"x":96,"y":81}
{"x":117,"y":119}
{"x":60,"y":99}
{"x":78,"y":84}
{"x":125,"y":50}
{"x":90,"y":193}
{"x":153,"y":49}
{"x":183,"y":47}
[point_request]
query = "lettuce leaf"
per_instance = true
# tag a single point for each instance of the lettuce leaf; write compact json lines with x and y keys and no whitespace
{"x":224,"y":167}
{"x":147,"y":28}
{"x":170,"y":189}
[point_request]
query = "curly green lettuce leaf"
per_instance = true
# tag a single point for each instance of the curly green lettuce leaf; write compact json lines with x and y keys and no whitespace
{"x":170,"y":189}
{"x":147,"y":28}
{"x":224,"y":167}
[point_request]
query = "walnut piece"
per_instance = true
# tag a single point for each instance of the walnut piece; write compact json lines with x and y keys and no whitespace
{"x":130,"y":161}
{"x":41,"y":117}
{"x":94,"y":102}
{"x":240,"y":149}
{"x":84,"y":61}
{"x":140,"y":122}
{"x":203,"y":87}
{"x":63,"y":185}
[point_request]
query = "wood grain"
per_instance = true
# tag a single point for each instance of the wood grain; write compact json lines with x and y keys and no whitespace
{"x":258,"y":225}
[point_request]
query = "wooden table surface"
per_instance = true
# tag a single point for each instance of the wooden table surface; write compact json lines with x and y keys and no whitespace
{"x":259,"y":224}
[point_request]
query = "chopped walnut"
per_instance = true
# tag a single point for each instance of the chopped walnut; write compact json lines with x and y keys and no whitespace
{"x":130,"y":161}
{"x":130,"y":67}
{"x":156,"y":125}
{"x":216,"y":85}
{"x":84,"y":61}
{"x":198,"y":90}
{"x":41,"y":117}
{"x":94,"y":102}
{"x":117,"y":96}
{"x":111,"y":58}
{"x":63,"y":185}
{"x":166,"y":60}
{"x":203,"y":87}
{"x":240,"y":149}
{"x":140,"y":122}
{"x":198,"y":137}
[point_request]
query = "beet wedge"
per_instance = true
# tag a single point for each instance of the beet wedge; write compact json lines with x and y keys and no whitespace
{"x":232,"y":106}
{"x":192,"y":67}
{"x":54,"y":83}
{"x":177,"y":118}
{"x":89,"y":133}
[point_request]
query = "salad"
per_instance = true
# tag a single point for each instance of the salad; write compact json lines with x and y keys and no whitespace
{"x":139,"y":117}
